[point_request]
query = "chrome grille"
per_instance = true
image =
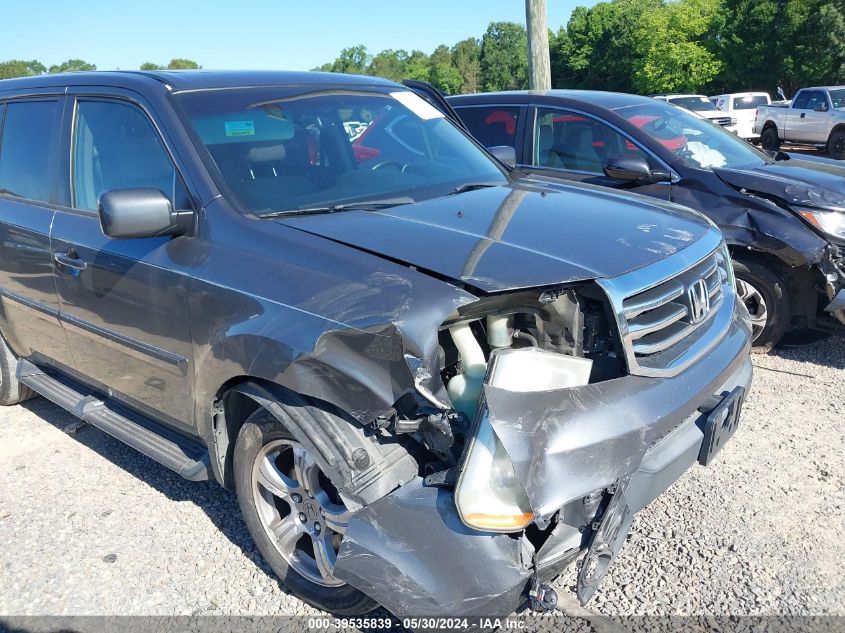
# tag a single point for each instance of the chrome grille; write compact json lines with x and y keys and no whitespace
{"x":661,"y":317}
{"x":724,"y":122}
{"x":668,"y":323}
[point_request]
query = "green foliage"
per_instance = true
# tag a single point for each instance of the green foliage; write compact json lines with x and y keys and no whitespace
{"x":466,"y":58}
{"x":19,"y":68}
{"x":504,"y":57}
{"x":72,"y":66}
{"x":675,"y":47}
{"x":788,"y":43}
{"x":175,"y":64}
{"x":389,"y":64}
{"x":418,"y":66}
{"x":182,"y":64}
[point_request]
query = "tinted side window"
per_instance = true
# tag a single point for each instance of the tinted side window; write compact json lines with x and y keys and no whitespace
{"x":567,"y":140}
{"x":25,"y":149}
{"x":801,"y":100}
{"x":116,"y":147}
{"x":491,"y":126}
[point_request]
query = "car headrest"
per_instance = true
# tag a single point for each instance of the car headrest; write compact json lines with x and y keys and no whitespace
{"x":547,"y":137}
{"x":267,"y":154}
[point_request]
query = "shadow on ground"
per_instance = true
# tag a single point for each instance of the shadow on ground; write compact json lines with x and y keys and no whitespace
{"x":219,"y":504}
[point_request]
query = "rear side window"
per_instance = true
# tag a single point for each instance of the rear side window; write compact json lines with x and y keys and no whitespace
{"x":116,"y":147}
{"x":491,"y":126}
{"x":750,"y":103}
{"x":25,"y":149}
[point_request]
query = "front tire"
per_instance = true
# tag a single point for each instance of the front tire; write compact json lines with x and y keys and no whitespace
{"x":769,"y":139}
{"x":294,"y":515}
{"x":765,"y":295}
{"x":836,"y":144}
{"x":11,"y":391}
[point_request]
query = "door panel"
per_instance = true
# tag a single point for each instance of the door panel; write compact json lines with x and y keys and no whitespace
{"x":125,"y":314}
{"x":575,"y":146}
{"x":28,"y":304}
{"x":123,"y":306}
{"x":803,"y":122}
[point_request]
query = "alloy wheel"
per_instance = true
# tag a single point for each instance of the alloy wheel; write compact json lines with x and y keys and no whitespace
{"x":756,"y":305}
{"x":300,"y":510}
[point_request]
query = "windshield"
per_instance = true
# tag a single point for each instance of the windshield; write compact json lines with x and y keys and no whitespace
{"x":285,"y":150}
{"x":697,"y":142}
{"x":837,"y":98}
{"x":750,"y":103}
{"x":699,"y":104}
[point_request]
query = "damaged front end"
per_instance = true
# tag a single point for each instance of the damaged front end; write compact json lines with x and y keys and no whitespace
{"x":572,"y":408}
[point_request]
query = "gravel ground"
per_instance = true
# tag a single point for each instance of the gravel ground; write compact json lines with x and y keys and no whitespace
{"x":88,"y":526}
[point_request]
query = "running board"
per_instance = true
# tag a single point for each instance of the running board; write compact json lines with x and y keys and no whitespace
{"x":184,"y":455}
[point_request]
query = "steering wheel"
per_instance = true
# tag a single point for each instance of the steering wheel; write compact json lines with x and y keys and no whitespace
{"x":388,"y":163}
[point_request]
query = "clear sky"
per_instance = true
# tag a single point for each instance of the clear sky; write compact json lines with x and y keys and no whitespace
{"x":256,"y":34}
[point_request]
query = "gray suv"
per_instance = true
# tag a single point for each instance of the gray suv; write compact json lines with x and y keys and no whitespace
{"x":432,"y":382}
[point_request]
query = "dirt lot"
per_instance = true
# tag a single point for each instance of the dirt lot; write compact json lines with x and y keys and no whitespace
{"x":88,"y":526}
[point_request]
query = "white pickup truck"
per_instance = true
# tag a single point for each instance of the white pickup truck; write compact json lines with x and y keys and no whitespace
{"x":815,"y":116}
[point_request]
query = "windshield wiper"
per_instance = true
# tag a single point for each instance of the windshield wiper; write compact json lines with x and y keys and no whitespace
{"x":472,"y":186}
{"x":364,"y":205}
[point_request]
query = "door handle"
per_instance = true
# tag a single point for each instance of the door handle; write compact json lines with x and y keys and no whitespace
{"x":803,"y":114}
{"x":70,"y":261}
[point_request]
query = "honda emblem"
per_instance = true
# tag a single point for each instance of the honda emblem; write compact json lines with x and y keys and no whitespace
{"x":699,"y":301}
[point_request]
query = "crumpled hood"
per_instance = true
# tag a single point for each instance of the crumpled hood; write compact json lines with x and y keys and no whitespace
{"x":531,"y":233}
{"x":799,"y":182}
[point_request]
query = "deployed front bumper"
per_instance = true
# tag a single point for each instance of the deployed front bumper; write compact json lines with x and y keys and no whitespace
{"x":411,"y":552}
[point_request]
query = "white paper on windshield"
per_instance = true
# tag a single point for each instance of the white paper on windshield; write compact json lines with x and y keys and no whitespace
{"x":706,"y":157}
{"x":417,"y":105}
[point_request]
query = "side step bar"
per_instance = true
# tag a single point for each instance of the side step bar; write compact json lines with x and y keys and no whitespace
{"x":184,"y":455}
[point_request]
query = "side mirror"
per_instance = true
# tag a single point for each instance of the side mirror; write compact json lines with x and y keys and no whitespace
{"x":820,"y":107}
{"x":632,"y":168}
{"x":505,"y":153}
{"x":134,"y":213}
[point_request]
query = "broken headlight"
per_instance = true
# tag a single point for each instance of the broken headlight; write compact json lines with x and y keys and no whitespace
{"x":829,"y":222}
{"x":488,"y":496}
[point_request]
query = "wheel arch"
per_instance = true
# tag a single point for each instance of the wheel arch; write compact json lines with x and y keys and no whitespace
{"x":839,"y":127}
{"x":800,"y":280}
{"x":362,"y":469}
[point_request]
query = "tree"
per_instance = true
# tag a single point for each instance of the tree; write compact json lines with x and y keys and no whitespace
{"x":174,"y":64}
{"x":466,"y":58}
{"x":504,"y":57}
{"x":389,"y":64}
{"x":72,"y":66}
{"x":182,"y":64}
{"x":442,"y":72}
{"x":20,"y":68}
{"x":675,"y":44}
{"x":601,"y":47}
{"x":417,"y":66}
{"x":790,"y":43}
{"x":353,"y":60}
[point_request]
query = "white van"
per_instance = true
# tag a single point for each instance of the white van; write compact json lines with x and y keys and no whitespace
{"x":742,"y":106}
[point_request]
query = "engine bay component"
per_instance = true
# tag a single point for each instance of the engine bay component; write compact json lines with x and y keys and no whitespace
{"x":464,"y":387}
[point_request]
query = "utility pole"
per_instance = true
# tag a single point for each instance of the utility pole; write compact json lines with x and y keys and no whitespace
{"x":539,"y":64}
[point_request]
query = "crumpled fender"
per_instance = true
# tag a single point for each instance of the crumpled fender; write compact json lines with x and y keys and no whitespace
{"x":757,"y":215}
